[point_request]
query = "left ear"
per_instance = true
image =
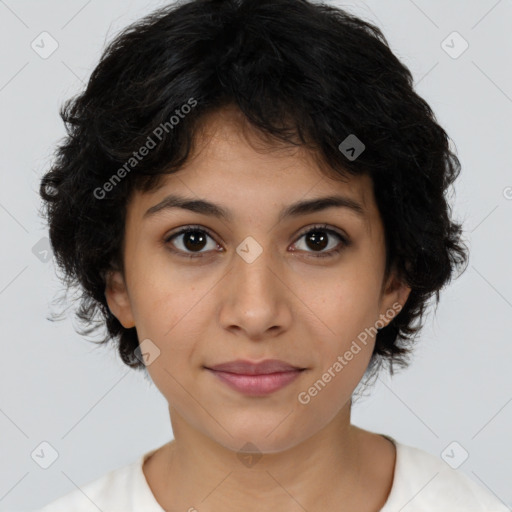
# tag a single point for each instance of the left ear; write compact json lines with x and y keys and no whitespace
{"x":393,"y":298}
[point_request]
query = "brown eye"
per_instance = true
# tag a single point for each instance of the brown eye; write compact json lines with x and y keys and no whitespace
{"x":191,"y":240}
{"x":318,"y":238}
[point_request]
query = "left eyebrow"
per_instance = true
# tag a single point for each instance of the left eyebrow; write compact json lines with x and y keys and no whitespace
{"x":294,"y":210}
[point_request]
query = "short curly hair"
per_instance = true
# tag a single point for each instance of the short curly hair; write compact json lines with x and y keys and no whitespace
{"x":302,"y":73}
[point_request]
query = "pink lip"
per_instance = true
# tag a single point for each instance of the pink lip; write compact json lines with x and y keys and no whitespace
{"x":256,"y":378}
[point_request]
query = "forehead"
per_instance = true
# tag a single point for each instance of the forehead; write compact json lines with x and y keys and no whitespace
{"x":226,"y":136}
{"x":232,"y":164}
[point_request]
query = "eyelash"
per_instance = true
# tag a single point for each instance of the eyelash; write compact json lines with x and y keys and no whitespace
{"x":344,"y":241}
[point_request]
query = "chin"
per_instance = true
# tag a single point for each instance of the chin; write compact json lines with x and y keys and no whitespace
{"x":258,"y":441}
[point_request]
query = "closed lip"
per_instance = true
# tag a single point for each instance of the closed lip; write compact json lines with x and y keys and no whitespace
{"x":244,"y":367}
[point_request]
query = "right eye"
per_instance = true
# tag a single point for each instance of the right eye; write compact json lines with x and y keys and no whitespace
{"x":190,"y":238}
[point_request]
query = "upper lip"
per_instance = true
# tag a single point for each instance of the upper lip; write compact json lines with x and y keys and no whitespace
{"x":244,"y":367}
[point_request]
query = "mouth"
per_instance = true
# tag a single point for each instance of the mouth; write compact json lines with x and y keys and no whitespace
{"x":256,"y":379}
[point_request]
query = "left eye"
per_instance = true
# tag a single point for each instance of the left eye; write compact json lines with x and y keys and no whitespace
{"x":318,"y":239}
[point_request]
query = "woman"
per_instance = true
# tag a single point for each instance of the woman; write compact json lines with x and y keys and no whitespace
{"x":253,"y":197}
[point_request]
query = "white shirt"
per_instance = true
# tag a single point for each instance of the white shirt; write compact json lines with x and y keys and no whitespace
{"x":422,"y":483}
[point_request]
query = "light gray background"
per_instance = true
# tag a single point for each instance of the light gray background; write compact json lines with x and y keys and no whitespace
{"x":97,"y":413}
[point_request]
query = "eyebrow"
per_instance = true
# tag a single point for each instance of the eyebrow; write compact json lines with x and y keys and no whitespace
{"x":294,"y":210}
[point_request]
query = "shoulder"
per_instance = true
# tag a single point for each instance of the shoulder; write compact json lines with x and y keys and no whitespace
{"x":424,"y":482}
{"x":114,"y":491}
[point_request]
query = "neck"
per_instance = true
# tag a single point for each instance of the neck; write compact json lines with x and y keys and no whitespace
{"x":196,"y":472}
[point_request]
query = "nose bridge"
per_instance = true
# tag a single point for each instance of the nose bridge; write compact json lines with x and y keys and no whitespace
{"x":253,"y":273}
{"x":254,"y":299}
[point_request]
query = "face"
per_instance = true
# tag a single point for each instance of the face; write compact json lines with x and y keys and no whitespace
{"x":255,"y":285}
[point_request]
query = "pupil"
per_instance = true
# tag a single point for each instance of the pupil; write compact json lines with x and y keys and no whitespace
{"x":192,"y":240}
{"x":319,"y":240}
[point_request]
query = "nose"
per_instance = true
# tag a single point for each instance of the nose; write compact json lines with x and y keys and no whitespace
{"x":255,"y":301}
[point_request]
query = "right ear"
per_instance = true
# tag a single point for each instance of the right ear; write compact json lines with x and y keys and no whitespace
{"x":118,"y":299}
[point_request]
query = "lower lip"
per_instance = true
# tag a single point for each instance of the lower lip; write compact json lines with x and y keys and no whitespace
{"x":257,"y":384}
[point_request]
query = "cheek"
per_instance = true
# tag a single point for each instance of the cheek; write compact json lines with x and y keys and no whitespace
{"x":345,"y":336}
{"x":349,"y":305}
{"x":172,"y":305}
{"x":162,"y":292}
{"x":343,"y":357}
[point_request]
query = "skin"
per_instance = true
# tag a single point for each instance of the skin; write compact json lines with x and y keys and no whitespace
{"x":286,"y":304}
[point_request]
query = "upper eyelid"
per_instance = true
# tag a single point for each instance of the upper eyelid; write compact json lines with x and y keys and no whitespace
{"x":191,"y":227}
